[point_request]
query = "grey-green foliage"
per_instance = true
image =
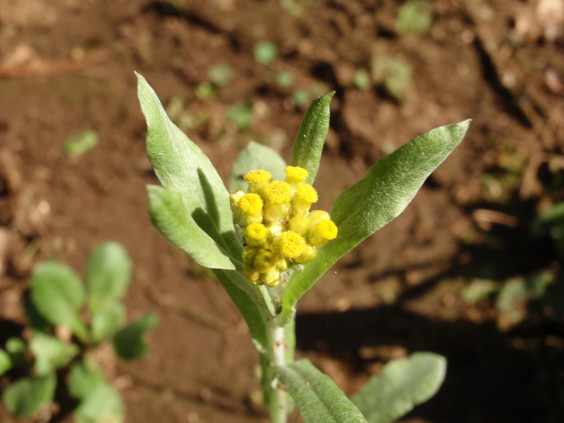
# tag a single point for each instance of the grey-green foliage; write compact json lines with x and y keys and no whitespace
{"x":375,"y":200}
{"x":359,"y":211}
{"x":401,"y":385}
{"x":92,"y":310}
{"x":81,"y":143}
{"x":316,"y":395}
{"x":265,"y":52}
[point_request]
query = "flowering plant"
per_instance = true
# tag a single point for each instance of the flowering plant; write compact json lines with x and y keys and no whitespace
{"x":267,"y":248}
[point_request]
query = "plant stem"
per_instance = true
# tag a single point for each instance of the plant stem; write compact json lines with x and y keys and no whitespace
{"x":278,"y":354}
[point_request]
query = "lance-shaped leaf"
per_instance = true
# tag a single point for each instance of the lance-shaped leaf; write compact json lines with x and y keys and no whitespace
{"x":107,"y":275}
{"x":27,"y":396}
{"x":182,"y":167}
{"x":251,"y":300}
{"x":171,"y":216}
{"x":378,"y":198}
{"x":128,"y":342}
{"x":400,"y":386}
{"x":50,"y":353}
{"x":311,"y":136}
{"x":316,"y":395}
{"x":58,"y":294}
{"x":256,"y":156}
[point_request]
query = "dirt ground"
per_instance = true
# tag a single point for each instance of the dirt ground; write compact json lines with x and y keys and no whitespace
{"x":67,"y":66}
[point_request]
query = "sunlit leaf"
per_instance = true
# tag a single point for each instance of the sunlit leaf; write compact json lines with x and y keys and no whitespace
{"x":107,"y":275}
{"x":378,"y":198}
{"x":183,"y":168}
{"x":311,"y":136}
{"x":316,"y":395}
{"x":401,"y":385}
{"x":58,"y":294}
{"x":50,"y":353}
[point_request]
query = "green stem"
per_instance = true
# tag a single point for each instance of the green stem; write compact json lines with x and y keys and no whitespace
{"x":280,"y":352}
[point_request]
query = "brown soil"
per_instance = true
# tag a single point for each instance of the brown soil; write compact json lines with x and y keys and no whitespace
{"x":68,"y":66}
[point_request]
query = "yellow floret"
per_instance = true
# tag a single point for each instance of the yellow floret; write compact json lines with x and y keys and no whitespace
{"x":295,"y":174}
{"x":255,"y":234}
{"x":289,"y":244}
{"x":321,"y":232}
{"x":304,"y":196}
{"x":278,"y":192}
{"x":250,"y":204}
{"x":307,"y":255}
{"x":271,"y":278}
{"x":257,"y":176}
{"x":264,"y":260}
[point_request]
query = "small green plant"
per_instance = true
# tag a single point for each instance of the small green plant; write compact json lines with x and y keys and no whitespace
{"x":221,"y":74}
{"x":415,"y":16}
{"x":267,"y":248}
{"x":81,"y":143}
{"x":265,"y":52}
{"x":70,"y":321}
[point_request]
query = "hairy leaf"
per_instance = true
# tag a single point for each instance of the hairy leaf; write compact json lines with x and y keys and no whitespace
{"x":378,"y":198}
{"x":183,"y":168}
{"x":256,"y":156}
{"x":400,"y":386}
{"x":311,"y":136}
{"x":316,"y":395}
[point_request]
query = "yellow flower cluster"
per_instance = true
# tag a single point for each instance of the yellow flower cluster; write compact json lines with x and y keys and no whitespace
{"x":278,"y":228}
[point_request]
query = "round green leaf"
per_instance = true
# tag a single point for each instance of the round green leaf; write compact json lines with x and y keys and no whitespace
{"x":107,"y":275}
{"x":58,"y":294}
{"x":5,"y":362}
{"x":29,"y":395}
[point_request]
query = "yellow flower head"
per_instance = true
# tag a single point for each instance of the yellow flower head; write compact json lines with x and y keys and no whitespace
{"x":250,"y":204}
{"x":278,"y":228}
{"x":289,"y":244}
{"x":295,"y":174}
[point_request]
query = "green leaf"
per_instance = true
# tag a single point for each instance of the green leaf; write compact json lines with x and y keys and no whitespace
{"x":5,"y":362}
{"x":316,"y":395}
{"x":107,"y":321}
{"x":107,"y":275}
{"x":50,"y":353}
{"x":58,"y":294}
{"x":256,"y":156}
{"x":84,"y":377}
{"x":251,"y":303}
{"x":311,"y":136}
{"x":400,"y":386}
{"x":378,"y":198}
{"x":171,"y":216}
{"x":183,"y":168}
{"x":27,"y":396}
{"x":102,"y":404}
{"x":128,"y":342}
